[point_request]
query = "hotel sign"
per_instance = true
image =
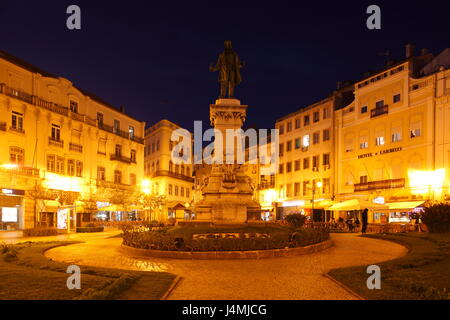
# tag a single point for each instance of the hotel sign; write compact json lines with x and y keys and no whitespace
{"x":371,"y":154}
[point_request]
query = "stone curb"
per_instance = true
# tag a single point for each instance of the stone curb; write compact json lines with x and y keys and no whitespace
{"x":221,"y":255}
{"x":172,"y":287}
{"x":343,"y":286}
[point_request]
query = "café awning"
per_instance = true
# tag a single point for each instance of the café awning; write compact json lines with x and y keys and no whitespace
{"x":357,"y":204}
{"x":404,"y":205}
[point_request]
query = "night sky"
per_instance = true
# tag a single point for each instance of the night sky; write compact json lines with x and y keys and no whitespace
{"x":153,"y":57}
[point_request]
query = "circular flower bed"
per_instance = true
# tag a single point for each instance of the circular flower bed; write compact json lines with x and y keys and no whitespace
{"x":241,"y":238}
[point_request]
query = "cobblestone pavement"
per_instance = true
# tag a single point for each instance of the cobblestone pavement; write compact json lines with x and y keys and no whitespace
{"x":286,"y":278}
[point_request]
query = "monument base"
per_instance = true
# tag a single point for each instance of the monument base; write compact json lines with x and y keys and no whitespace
{"x":227,"y":192}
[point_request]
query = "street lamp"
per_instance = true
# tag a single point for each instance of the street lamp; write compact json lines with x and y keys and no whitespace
{"x":318,"y":184}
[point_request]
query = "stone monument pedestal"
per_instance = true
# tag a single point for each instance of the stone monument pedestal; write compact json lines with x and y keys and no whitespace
{"x":227,"y":191}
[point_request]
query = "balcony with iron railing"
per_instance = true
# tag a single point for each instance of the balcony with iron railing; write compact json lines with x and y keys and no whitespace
{"x":24,"y":171}
{"x":380,"y":184}
{"x":379,"y":111}
{"x":56,"y":143}
{"x":75,"y":147}
{"x":54,"y":107}
{"x":168,"y":173}
{"x":121,"y":158}
{"x":266,"y":185}
{"x":17,"y":129}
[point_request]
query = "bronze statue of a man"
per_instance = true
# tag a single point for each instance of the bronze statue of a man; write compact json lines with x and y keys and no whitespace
{"x":229,"y":66}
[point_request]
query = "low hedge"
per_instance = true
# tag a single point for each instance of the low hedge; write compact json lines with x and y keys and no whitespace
{"x":40,"y":232}
{"x":90,"y":229}
{"x":437,"y":217}
{"x":166,"y":240}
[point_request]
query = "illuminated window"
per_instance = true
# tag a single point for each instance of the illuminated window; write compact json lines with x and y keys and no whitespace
{"x":16,"y":155}
{"x":364,"y":145}
{"x":51,"y":163}
{"x":71,"y":167}
{"x":288,"y":190}
{"x":396,"y":137}
{"x":379,"y":141}
{"x":59,"y":165}
{"x":305,"y":141}
{"x":289,"y":126}
{"x":131,"y":132}
{"x":296,"y":189}
{"x":79,"y":168}
{"x":415,"y":133}
{"x":306,"y":188}
{"x":297,"y":123}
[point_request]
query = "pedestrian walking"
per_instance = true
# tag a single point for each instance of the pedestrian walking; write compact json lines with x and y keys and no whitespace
{"x":364,"y":220}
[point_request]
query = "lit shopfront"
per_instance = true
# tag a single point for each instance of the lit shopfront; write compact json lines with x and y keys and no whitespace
{"x":11,"y":209}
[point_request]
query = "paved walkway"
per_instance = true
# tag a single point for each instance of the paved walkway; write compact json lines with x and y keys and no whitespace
{"x":286,"y":278}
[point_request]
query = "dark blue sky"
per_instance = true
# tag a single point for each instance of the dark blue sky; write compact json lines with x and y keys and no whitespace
{"x":153,"y":58}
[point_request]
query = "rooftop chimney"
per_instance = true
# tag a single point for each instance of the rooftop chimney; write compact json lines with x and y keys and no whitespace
{"x":424,"y":51}
{"x":122,"y":109}
{"x":409,"y":50}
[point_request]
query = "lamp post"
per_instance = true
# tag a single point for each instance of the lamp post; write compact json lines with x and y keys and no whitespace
{"x":318,"y":184}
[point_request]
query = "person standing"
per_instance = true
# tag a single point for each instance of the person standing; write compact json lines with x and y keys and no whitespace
{"x":364,"y":220}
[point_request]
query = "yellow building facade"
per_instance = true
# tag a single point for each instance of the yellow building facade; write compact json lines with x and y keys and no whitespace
{"x":391,"y":143}
{"x":64,"y":153}
{"x":168,"y":179}
{"x":305,"y":176}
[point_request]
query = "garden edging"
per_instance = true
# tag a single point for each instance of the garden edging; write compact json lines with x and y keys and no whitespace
{"x":211,"y":255}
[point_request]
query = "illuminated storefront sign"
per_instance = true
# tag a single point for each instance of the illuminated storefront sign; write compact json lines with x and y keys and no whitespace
{"x":13,"y":192}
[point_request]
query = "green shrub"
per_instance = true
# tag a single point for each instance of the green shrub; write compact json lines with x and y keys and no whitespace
{"x":437,"y":217}
{"x":90,"y":229}
{"x":40,"y":232}
{"x":295,"y":220}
